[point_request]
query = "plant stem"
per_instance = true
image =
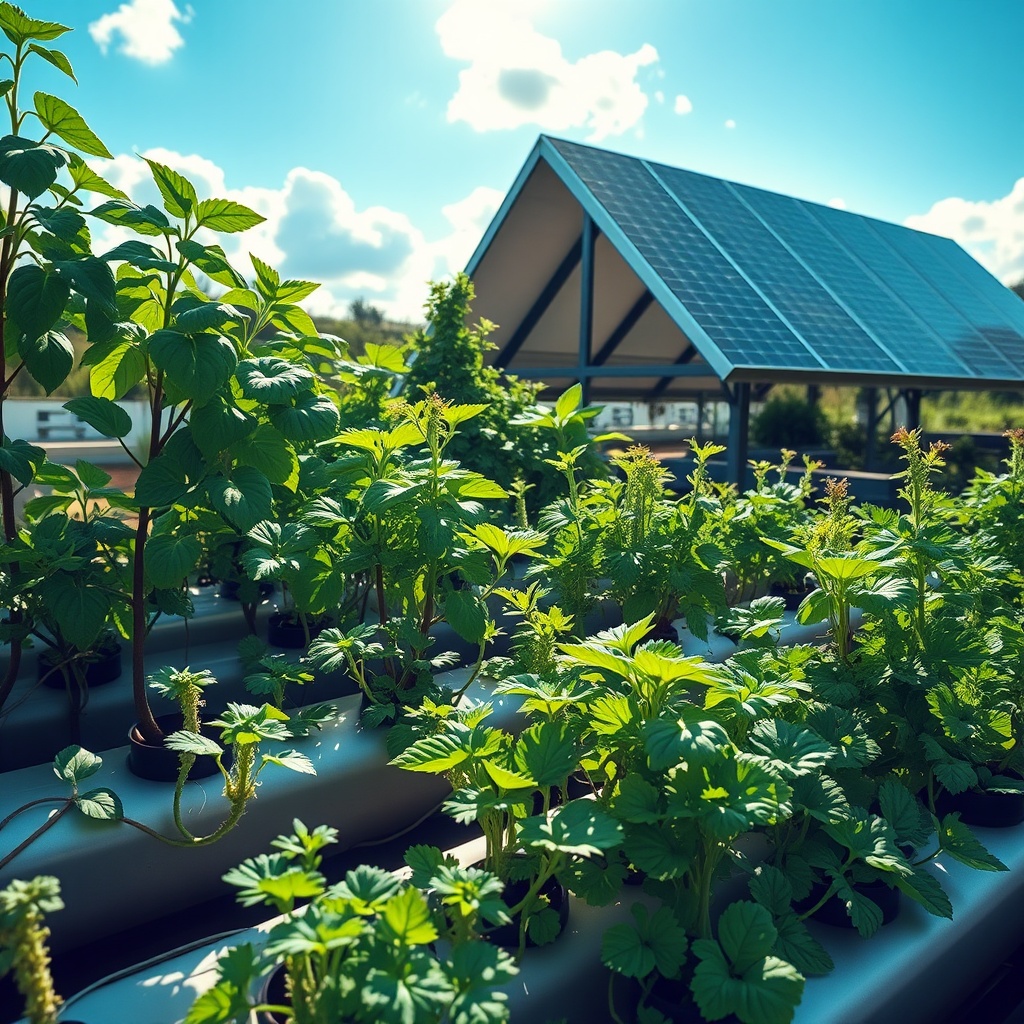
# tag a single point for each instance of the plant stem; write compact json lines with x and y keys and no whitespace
{"x":42,"y":830}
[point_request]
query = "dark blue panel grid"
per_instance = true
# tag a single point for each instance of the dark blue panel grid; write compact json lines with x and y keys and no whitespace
{"x":732,"y":314}
{"x":907,"y":282}
{"x":995,"y":311}
{"x":861,"y":293}
{"x":806,"y":305}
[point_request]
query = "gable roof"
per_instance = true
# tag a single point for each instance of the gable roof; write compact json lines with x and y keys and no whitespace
{"x":698,"y":281}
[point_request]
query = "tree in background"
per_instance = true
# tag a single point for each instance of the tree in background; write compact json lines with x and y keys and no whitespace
{"x":449,"y":356}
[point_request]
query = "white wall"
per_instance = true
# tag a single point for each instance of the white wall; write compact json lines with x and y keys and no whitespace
{"x":21,"y":420}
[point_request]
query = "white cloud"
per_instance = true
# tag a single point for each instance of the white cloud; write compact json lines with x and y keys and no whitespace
{"x":659,"y":96}
{"x":315,"y":231}
{"x":730,"y":123}
{"x":837,"y":203}
{"x":991,"y":231}
{"x":683,"y":105}
{"x":146,"y":28}
{"x":517,"y":76}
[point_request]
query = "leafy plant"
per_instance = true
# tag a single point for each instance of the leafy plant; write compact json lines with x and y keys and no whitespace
{"x":23,"y":948}
{"x":362,"y":949}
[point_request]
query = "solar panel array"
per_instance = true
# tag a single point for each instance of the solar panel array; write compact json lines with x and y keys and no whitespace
{"x":777,"y":283}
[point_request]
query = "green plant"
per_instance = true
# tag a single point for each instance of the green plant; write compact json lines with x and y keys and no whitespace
{"x":23,"y":947}
{"x":363,"y":949}
{"x":515,"y":789}
{"x":48,"y":274}
{"x":789,"y":421}
{"x":448,"y":358}
{"x":410,"y":520}
{"x":243,"y":730}
{"x":72,"y":765}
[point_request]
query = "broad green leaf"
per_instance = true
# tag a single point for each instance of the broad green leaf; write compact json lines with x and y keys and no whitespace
{"x":140,"y":254}
{"x":36,"y":299}
{"x":48,"y":358}
{"x":308,"y":417}
{"x":746,"y":933}
{"x":409,"y":919}
{"x":293,"y":760}
{"x":466,"y":614}
{"x":213,"y":262}
{"x":186,"y":742}
{"x":219,"y":424}
{"x":102,"y":414}
{"x":21,"y":459}
{"x":547,"y":752}
{"x":198,"y":365}
{"x":80,"y":612}
{"x":161,"y":483}
{"x":194,"y":317}
{"x":102,"y":804}
{"x":568,"y":402}
{"x":909,"y":820}
{"x":55,"y":57}
{"x":117,"y":366}
{"x":244,"y":499}
{"x":178,"y":193}
{"x":146,"y":220}
{"x":925,"y":889}
{"x":227,"y":216}
{"x":789,"y":750}
{"x":20,"y":28}
{"x":64,"y":121}
{"x":73,"y":764}
{"x":87,"y":180}
{"x":579,"y":828}
{"x":92,"y":476}
{"x":962,"y":844}
{"x":170,"y":558}
{"x":796,"y":945}
{"x":29,"y":167}
{"x":659,"y":851}
{"x":266,"y":450}
{"x":443,"y":751}
{"x":636,"y":800}
{"x":669,"y":743}
{"x":270,"y":380}
{"x":91,"y":277}
{"x":771,"y":889}
{"x":844,"y":568}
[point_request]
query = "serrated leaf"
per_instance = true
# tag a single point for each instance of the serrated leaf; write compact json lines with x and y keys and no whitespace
{"x":73,"y":764}
{"x":245,"y":499}
{"x":170,"y":558}
{"x":178,"y":193}
{"x":65,"y":122}
{"x":547,"y":752}
{"x":956,"y":839}
{"x":746,"y":933}
{"x":292,"y":759}
{"x":579,"y":828}
{"x":49,"y":359}
{"x":20,"y":459}
{"x":102,"y":804}
{"x":409,"y":918}
{"x":197,"y":364}
{"x":466,"y":614}
{"x":29,"y":167}
{"x":227,"y":216}
{"x":187,"y":742}
{"x":102,"y":414}
{"x":796,"y":945}
{"x":36,"y":299}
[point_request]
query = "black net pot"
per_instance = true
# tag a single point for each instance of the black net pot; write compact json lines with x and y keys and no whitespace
{"x":159,"y":763}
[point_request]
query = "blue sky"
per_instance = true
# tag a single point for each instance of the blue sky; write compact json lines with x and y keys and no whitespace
{"x":379,"y":137}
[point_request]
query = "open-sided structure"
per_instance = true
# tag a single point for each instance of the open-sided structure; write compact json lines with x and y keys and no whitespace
{"x":649,"y":282}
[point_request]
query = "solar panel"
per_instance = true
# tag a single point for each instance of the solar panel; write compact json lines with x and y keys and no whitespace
{"x":996,"y":313}
{"x":723,"y":304}
{"x":807,"y":306}
{"x":779,"y":283}
{"x":895,"y":274}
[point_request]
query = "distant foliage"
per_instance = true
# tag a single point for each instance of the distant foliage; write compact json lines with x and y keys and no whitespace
{"x":789,"y":421}
{"x":449,"y":357}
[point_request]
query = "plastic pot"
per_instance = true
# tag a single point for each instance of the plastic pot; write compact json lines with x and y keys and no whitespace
{"x":284,"y":631}
{"x":103,"y":667}
{"x":987,"y":809}
{"x":160,"y":763}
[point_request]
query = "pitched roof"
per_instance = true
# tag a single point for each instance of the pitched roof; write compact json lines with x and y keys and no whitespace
{"x":698,"y":280}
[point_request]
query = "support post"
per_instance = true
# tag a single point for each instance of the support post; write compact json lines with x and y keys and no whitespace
{"x":739,"y":429}
{"x":700,"y":418}
{"x":589,"y":239}
{"x":870,"y":399}
{"x":913,"y":399}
